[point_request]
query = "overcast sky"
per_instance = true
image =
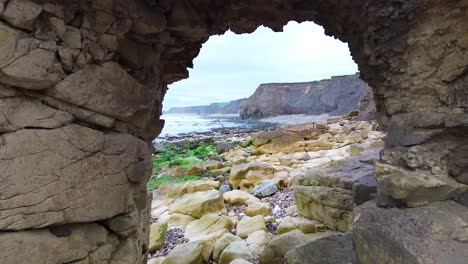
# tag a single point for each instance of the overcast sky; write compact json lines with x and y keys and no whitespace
{"x":231,"y":66}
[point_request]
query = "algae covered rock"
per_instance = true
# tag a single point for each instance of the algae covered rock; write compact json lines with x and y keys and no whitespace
{"x":157,"y":235}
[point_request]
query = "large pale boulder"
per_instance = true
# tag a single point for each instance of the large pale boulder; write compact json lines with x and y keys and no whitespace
{"x":59,"y":166}
{"x":258,"y":208}
{"x":239,"y":197}
{"x":258,"y":240}
{"x":177,"y":190}
{"x":235,"y":250}
{"x":289,"y":223}
{"x":194,"y":252}
{"x":157,"y":235}
{"x":333,"y":249}
{"x":222,"y":243}
{"x":247,"y":225}
{"x":250,"y":174}
{"x":332,"y":206}
{"x":198,"y":204}
{"x":210,"y":226}
{"x":276,"y":249}
{"x":119,"y":95}
{"x":435,"y":233}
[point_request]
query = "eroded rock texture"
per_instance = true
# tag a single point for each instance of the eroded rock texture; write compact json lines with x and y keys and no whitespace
{"x":82,"y":84}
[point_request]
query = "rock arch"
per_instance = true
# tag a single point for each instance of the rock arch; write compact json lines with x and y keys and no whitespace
{"x":82,"y":85}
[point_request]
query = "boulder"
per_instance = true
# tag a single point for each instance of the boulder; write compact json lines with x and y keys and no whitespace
{"x":198,"y":204}
{"x":22,"y":13}
{"x":258,"y":208}
{"x":210,"y":226}
{"x":194,"y":169}
{"x":265,"y":189}
{"x":176,"y":219}
{"x":222,"y":243}
{"x":416,"y":187}
{"x":257,"y":241}
{"x":225,"y":188}
{"x":247,"y":225}
{"x":157,"y":235}
{"x":435,"y":233}
{"x":289,"y":223}
{"x":177,"y":190}
{"x":220,"y":172}
{"x":194,"y":252}
{"x":235,"y":250}
{"x":212,"y":165}
{"x":278,"y":247}
{"x":239,"y":197}
{"x":240,"y":261}
{"x":334,"y":249}
{"x":240,"y":177}
{"x":331,"y":206}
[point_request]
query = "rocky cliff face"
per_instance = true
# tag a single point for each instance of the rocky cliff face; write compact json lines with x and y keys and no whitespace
{"x":231,"y":107}
{"x":335,"y":96}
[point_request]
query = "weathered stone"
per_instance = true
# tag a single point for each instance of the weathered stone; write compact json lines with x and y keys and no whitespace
{"x":265,"y":189}
{"x":257,"y":241}
{"x":119,"y":95}
{"x":64,"y":163}
{"x":415,"y":187}
{"x":277,"y":248}
{"x":69,"y":243}
{"x":157,"y":235}
{"x":240,"y":261}
{"x":331,"y":206}
{"x":188,"y":253}
{"x":209,"y":226}
{"x":414,"y":235}
{"x":211,"y":165}
{"x":239,"y":197}
{"x":22,"y":13}
{"x":194,"y":169}
{"x":222,"y":243}
{"x":21,"y":112}
{"x":198,"y":204}
{"x":247,"y":225}
{"x":258,"y":208}
{"x":334,"y":249}
{"x":235,"y":250}
{"x":289,"y":223}
{"x":38,"y":69}
{"x":246,"y":175}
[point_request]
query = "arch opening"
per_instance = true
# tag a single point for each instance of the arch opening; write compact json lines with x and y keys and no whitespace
{"x":81,"y":99}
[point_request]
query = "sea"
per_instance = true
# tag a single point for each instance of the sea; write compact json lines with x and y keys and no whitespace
{"x":176,"y":124}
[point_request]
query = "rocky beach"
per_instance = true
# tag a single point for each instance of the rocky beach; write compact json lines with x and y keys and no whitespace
{"x":261,"y":195}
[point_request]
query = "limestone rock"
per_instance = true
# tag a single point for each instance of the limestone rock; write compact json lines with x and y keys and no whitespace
{"x":334,"y":249}
{"x":69,"y":243}
{"x":37,"y":69}
{"x":331,"y":206}
{"x":21,"y":112}
{"x":219,"y":172}
{"x":277,"y":248}
{"x":265,"y":189}
{"x":415,"y":235}
{"x":176,"y":219}
{"x":65,"y":163}
{"x":239,"y":197}
{"x":157,"y":235}
{"x":240,"y":177}
{"x":211,"y":165}
{"x":416,"y":187}
{"x":194,"y":169}
{"x":188,"y":253}
{"x":258,"y":208}
{"x":22,"y":13}
{"x":235,"y":250}
{"x":120,"y":95}
{"x":299,"y":223}
{"x":247,"y":225}
{"x":210,"y":226}
{"x":257,"y":241}
{"x":222,"y":243}
{"x":198,"y":204}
